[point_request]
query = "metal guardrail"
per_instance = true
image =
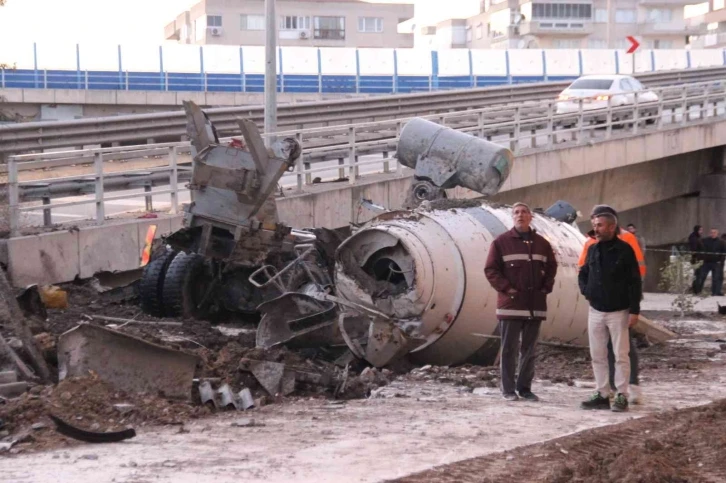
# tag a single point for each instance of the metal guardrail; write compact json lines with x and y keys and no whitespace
{"x":523,"y":127}
{"x":171,"y":126}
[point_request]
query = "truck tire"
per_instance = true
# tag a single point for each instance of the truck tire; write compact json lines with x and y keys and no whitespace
{"x":185,"y":285}
{"x":152,"y":283}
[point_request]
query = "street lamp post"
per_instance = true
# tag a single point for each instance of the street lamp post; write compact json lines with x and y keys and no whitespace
{"x":270,"y":72}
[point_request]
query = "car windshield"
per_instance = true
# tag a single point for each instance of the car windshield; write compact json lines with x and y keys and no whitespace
{"x":599,"y":84}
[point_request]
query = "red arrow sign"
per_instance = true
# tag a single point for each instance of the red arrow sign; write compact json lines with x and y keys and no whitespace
{"x":634,"y":44}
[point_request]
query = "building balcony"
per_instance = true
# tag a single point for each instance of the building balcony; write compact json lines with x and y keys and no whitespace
{"x":171,"y":32}
{"x":710,"y":41}
{"x":672,"y":28}
{"x":716,"y":16}
{"x":575,"y":28}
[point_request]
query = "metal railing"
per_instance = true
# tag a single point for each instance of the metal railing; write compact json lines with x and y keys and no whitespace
{"x":523,"y":128}
{"x":171,"y":126}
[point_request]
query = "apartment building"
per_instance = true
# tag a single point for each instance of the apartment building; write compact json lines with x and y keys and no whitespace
{"x":573,"y":24}
{"x":714,"y":19}
{"x":303,"y":23}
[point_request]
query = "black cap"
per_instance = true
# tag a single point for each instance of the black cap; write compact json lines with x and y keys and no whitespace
{"x":602,"y":209}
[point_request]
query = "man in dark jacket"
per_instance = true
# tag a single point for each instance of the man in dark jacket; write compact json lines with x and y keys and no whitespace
{"x":521,"y":267}
{"x":695,"y":246}
{"x":713,"y":250}
{"x":610,"y":281}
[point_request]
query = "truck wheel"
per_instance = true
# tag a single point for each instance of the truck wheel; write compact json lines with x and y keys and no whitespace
{"x":185,"y":285}
{"x":152,"y":283}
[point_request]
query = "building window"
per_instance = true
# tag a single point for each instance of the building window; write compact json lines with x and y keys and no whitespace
{"x":566,"y":44}
{"x":370,"y":24}
{"x":597,"y":44}
{"x":601,"y":15}
{"x":330,"y":28}
{"x":214,"y":20}
{"x":562,"y":10}
{"x":294,"y":23}
{"x":625,"y":16}
{"x":252,"y":22}
{"x":718,"y":4}
{"x":659,"y":15}
{"x":469,"y":34}
{"x":479,"y":31}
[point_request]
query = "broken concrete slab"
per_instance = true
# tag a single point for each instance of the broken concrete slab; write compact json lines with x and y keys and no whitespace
{"x":272,"y":376}
{"x":13,"y":389}
{"x":8,"y":377}
{"x":655,"y":333}
{"x":127,"y":362}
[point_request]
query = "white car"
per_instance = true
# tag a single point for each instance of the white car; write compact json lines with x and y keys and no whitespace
{"x":596,"y":90}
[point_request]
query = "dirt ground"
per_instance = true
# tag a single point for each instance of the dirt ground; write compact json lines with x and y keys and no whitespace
{"x":389,"y":426}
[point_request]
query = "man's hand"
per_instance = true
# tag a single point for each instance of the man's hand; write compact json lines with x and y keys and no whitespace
{"x":632,"y":320}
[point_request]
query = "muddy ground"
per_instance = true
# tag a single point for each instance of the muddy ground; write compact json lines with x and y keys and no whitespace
{"x":415,"y":410}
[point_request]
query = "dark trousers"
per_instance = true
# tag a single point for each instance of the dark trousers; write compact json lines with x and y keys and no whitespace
{"x":633,"y":362}
{"x":716,"y":270}
{"x":511,"y":330}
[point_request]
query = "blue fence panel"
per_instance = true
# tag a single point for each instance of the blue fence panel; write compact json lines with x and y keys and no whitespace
{"x":185,"y":82}
{"x":411,"y":83}
{"x":455,"y":82}
{"x":20,"y":79}
{"x":524,"y":79}
{"x":339,"y":84}
{"x":255,"y":83}
{"x":488,"y":81}
{"x":224,"y":82}
{"x":145,"y":81}
{"x":561,"y":78}
{"x":371,"y":84}
{"x":59,"y":79}
{"x":301,"y":83}
{"x":104,"y":80}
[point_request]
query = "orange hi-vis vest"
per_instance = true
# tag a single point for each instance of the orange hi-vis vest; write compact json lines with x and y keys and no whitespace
{"x":627,"y":237}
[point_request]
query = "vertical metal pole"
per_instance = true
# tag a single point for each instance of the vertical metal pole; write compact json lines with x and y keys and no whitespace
{"x":351,"y":155}
{"x":174,"y":181}
{"x":98,"y":165}
{"x":47,"y":221}
{"x":149,"y":199}
{"x":270,"y":72}
{"x":13,"y":197}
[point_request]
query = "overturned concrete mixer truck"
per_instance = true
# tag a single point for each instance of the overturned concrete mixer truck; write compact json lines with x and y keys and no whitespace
{"x":407,"y":283}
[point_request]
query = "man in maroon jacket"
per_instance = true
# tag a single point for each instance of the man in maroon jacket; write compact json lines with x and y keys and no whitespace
{"x":521,"y":267}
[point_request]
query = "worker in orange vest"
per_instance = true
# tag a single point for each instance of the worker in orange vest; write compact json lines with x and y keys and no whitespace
{"x":630,"y":239}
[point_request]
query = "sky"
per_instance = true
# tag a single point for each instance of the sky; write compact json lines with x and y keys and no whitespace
{"x":124,"y":21}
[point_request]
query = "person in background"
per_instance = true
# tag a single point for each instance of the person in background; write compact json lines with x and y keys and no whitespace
{"x":635,"y":391}
{"x":695,"y":246}
{"x":641,"y":241}
{"x":713,"y":255}
{"x":610,"y":281}
{"x":521,"y":267}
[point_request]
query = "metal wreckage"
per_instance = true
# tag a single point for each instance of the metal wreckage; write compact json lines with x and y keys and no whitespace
{"x":408,"y":283}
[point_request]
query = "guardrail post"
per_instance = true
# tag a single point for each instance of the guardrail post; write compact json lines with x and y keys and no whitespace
{"x":353,"y":171}
{"x":341,"y":171}
{"x":684,"y":105}
{"x":149,"y":199}
{"x":86,"y":80}
{"x":174,"y":181}
{"x":98,"y":166}
{"x":514,"y":144}
{"x":551,"y":110}
{"x":609,"y":119}
{"x":127,"y":80}
{"x":302,"y":166}
{"x":580,"y":124}
{"x":13,"y":197}
{"x":636,"y":112}
{"x":480,"y":123}
{"x":386,"y":165}
{"x":47,"y":220}
{"x":659,"y":119}
{"x":399,"y":166}
{"x":45,"y":78}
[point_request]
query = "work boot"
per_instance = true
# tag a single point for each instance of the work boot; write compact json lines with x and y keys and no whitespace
{"x":636,"y":395}
{"x":510,"y":396}
{"x":528,"y":395}
{"x":596,"y":401}
{"x":620,"y":404}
